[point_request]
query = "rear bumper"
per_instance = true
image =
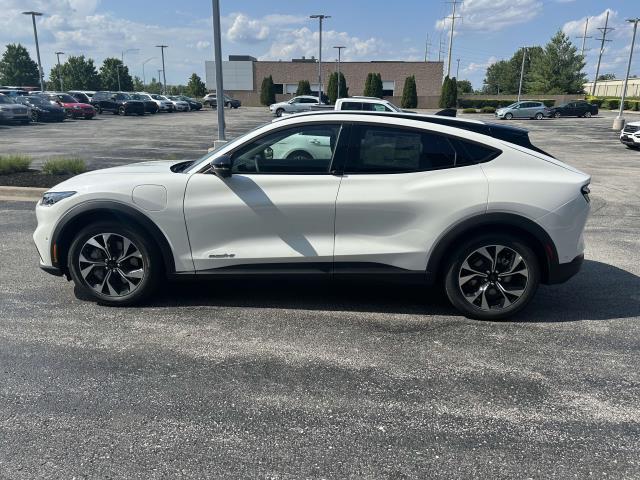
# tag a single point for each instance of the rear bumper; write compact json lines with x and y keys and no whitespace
{"x":561,"y":272}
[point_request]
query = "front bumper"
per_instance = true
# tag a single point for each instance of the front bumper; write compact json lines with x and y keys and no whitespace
{"x":561,"y":272}
{"x":632,"y":139}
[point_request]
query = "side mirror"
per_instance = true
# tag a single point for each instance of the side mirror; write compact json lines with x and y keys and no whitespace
{"x":222,"y":165}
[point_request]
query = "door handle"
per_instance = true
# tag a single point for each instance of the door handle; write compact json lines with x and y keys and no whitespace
{"x":315,"y":141}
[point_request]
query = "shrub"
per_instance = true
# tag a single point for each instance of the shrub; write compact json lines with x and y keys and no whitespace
{"x":64,"y":166}
{"x":605,"y":105}
{"x":304,"y":88}
{"x":409,"y":93}
{"x":267,"y":91}
{"x":469,"y":110}
{"x":488,"y":110}
{"x":14,"y":164}
{"x":614,"y":104}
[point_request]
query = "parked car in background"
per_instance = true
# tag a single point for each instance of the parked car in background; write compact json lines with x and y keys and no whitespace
{"x":366,"y":104}
{"x":13,"y":92}
{"x":523,"y":109}
{"x":193,"y":103}
{"x":85,"y":93}
{"x":119,"y":103}
{"x":164,"y":104}
{"x":41,"y":109}
{"x":11,"y":111}
{"x":630,"y":135}
{"x":301,"y":103}
{"x":578,"y":108}
{"x":467,"y":212}
{"x":80,"y":97}
{"x":150,"y":105}
{"x":211,"y":100}
{"x":72,"y":107}
{"x":179,"y":105}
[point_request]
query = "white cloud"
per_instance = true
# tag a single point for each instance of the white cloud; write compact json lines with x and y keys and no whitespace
{"x":474,"y":67}
{"x":575,"y":28}
{"x":493,"y":15}
{"x":244,"y":29}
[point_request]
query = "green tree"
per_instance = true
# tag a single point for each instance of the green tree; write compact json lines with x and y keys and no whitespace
{"x":368,"y":92}
{"x":138,"y":86}
{"x":17,"y":68}
{"x":267,"y":91}
{"x":559,"y":69}
{"x":304,"y":88}
{"x":607,"y":76}
{"x":176,"y":89}
{"x":376,"y":85}
{"x":54,"y":79}
{"x":464,"y":87}
{"x":504,"y":76}
{"x":332,"y":87}
{"x":154,"y":86}
{"x":453,"y":93}
{"x":409,"y":93}
{"x":79,"y":73}
{"x":449,"y":93}
{"x":110,"y":70}
{"x":196,"y":87}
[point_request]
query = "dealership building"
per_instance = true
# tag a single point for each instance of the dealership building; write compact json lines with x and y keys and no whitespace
{"x":242,"y":76}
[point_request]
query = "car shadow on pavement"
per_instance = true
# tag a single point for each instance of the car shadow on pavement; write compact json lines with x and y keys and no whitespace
{"x":599,"y":292}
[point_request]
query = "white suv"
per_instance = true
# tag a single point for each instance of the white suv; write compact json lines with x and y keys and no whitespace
{"x":470,"y":204}
{"x":630,"y":135}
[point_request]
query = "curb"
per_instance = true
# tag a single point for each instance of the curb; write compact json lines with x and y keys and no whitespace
{"x":21,"y":194}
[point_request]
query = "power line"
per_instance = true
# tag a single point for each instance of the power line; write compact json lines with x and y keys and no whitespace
{"x":604,"y":31}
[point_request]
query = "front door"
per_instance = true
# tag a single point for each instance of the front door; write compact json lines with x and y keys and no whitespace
{"x":276,"y":212}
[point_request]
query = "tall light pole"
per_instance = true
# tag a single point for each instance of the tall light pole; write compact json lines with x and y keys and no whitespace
{"x":340,"y":48}
{"x":217,"y":57}
{"x":118,"y":72}
{"x":35,"y":34}
{"x":60,"y":70}
{"x":144,"y":80}
{"x":164,"y":73}
{"x":127,"y":51}
{"x":320,"y":18}
{"x":618,"y":123}
{"x":524,"y":55}
{"x":458,"y":69}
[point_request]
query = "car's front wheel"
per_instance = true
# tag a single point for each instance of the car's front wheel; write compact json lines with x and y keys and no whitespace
{"x":492,"y":277}
{"x":279,"y":112}
{"x":587,"y":115}
{"x":113,"y":264}
{"x":122,"y":110}
{"x":508,"y":116}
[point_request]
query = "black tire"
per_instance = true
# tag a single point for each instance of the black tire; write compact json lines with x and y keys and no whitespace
{"x":587,"y":115}
{"x":121,"y":110}
{"x":468,"y":250}
{"x":34,"y":116}
{"x":151,"y":261}
{"x":556,"y":115}
{"x":508,"y":116}
{"x":279,"y":112}
{"x":98,"y":109}
{"x":539,"y":116}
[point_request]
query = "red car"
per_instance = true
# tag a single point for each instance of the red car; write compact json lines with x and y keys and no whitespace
{"x":72,"y":107}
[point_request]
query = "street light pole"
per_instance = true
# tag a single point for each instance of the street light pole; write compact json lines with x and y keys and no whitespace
{"x":60,"y":70}
{"x":35,"y":34}
{"x":118,"y":72}
{"x":164,"y":73}
{"x":458,"y":69}
{"x":217,"y":57}
{"x":524,"y":55}
{"x":339,"y":50}
{"x":144,"y":80}
{"x":618,"y":122}
{"x":320,"y":18}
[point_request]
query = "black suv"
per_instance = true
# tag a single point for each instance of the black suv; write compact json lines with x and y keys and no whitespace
{"x":578,"y":108}
{"x":118,"y":103}
{"x":150,"y":106}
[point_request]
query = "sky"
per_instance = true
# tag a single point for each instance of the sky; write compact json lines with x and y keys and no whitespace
{"x":489,"y":30}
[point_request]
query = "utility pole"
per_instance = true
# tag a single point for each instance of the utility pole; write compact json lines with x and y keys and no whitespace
{"x":618,"y":123}
{"x":118,"y":71}
{"x":320,"y":18}
{"x":164,"y":72}
{"x":35,"y":34}
{"x":440,"y":50}
{"x":524,"y":56}
{"x":217,"y":57}
{"x":584,"y":36}
{"x":159,"y":72}
{"x":604,"y":31}
{"x":144,"y":80}
{"x":453,"y":23}
{"x":60,"y":70}
{"x":339,"y":50}
{"x":458,"y":69}
{"x":427,"y":45}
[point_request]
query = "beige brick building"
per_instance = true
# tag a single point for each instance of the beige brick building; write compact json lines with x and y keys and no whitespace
{"x":243,"y":76}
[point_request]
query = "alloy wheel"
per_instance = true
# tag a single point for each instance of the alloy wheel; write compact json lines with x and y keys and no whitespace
{"x":493,"y":277}
{"x":111,"y":264}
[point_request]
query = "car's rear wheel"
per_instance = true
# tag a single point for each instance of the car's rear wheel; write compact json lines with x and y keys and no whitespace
{"x":539,"y":116}
{"x":113,"y":264}
{"x":587,"y":115}
{"x":556,"y":115}
{"x":492,"y":277}
{"x":34,"y":116}
{"x":508,"y":116}
{"x":122,"y":110}
{"x":98,"y":109}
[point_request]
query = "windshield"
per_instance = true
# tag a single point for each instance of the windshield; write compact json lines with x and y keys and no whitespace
{"x":5,"y":99}
{"x":513,"y":105}
{"x":33,"y":100}
{"x":67,"y":98}
{"x":393,"y":106}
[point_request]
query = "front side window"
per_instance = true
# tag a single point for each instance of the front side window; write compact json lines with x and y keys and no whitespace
{"x":306,"y":149}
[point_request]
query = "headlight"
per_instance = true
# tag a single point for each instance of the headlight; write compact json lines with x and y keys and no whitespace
{"x":77,"y":107}
{"x":51,"y":198}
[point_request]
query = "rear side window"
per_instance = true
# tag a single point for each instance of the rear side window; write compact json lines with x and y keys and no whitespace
{"x":376,"y":149}
{"x":351,"y":106}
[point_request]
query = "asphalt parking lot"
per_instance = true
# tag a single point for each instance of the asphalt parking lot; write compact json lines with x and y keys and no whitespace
{"x":275,"y":380}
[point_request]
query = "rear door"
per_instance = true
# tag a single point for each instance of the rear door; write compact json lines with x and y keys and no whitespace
{"x":401,"y":189}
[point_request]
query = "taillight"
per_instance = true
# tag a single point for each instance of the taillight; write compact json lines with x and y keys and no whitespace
{"x":585,"y":190}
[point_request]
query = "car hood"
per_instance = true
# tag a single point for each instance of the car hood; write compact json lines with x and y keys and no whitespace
{"x":154,"y":166}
